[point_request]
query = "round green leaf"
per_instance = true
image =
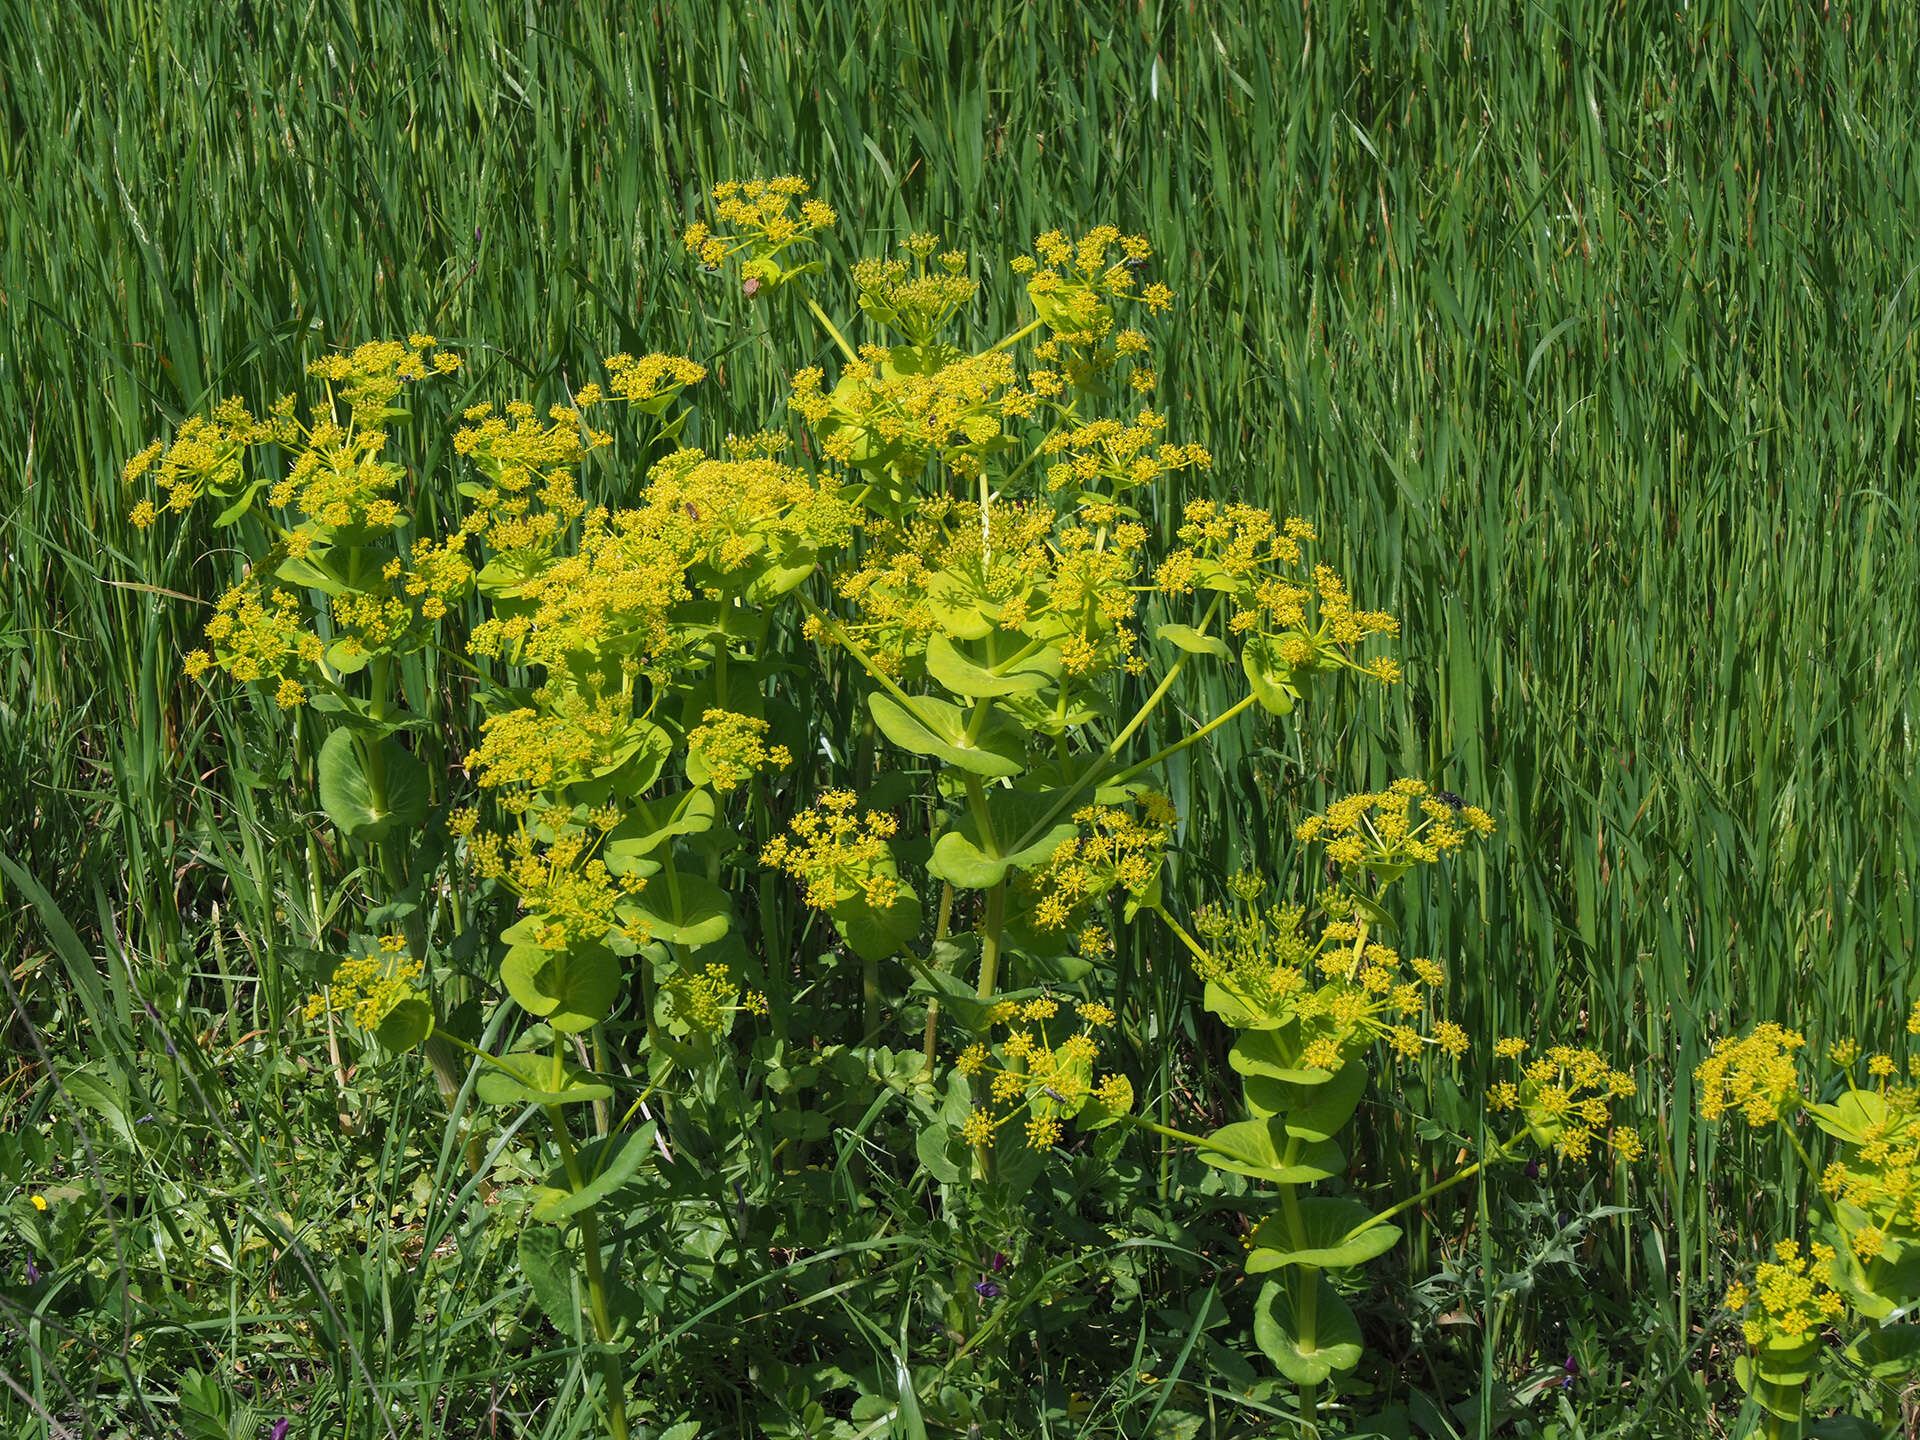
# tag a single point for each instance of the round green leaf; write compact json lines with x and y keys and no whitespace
{"x":1310,"y":1112}
{"x":570,"y":989}
{"x":1306,"y":1360}
{"x":1192,"y":641}
{"x":962,"y":676}
{"x":1326,"y":1221}
{"x":525,"y":1078}
{"x":962,"y":864}
{"x":348,"y":792}
{"x":683,"y":909}
{"x":1270,"y":676}
{"x":937,"y":728}
{"x":1236,"y":1008}
{"x":1260,"y":1148}
{"x":1276,"y":1055}
{"x":878,"y":933}
{"x":405,"y":1026}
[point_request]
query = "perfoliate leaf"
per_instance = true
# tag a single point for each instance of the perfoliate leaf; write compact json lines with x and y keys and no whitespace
{"x":1305,"y":1359}
{"x":1276,"y":1054}
{"x":1326,"y":1221}
{"x":1260,"y":1148}
{"x":526,"y":1078}
{"x":879,"y":932}
{"x":1270,"y":676}
{"x":937,"y":728}
{"x":570,"y":989}
{"x":963,"y":677}
{"x":405,"y":1026}
{"x":1193,"y":642}
{"x":1309,"y":1112}
{"x":685,"y":909}
{"x":364,"y":810}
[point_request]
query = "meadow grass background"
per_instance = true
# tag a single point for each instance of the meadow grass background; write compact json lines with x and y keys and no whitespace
{"x":1586,"y":333}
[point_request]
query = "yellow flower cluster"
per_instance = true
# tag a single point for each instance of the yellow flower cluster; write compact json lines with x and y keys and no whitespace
{"x":531,"y":494}
{"x":368,"y":377}
{"x":1065,"y":584}
{"x":560,"y":741}
{"x":438,"y":573}
{"x":881,"y":416}
{"x":1027,"y":1074}
{"x":1877,"y":1175}
{"x":1070,"y":282}
{"x":1566,"y":1096}
{"x":1115,"y":848}
{"x":1400,"y":826}
{"x":1758,"y":1075}
{"x":1117,"y":455}
{"x":1254,"y":559}
{"x":733,"y":748}
{"x":1792,"y":1295}
{"x":703,"y":1000}
{"x":701,"y":522}
{"x":1343,"y":991}
{"x":575,"y":897}
{"x":366,"y":988}
{"x":337,"y":479}
{"x":647,"y":382}
{"x":367,"y":622}
{"x":763,"y":219}
{"x":725,"y":515}
{"x":207,"y":456}
{"x":338,"y":482}
{"x":912,"y":296}
{"x":259,"y":634}
{"x":836,"y":853}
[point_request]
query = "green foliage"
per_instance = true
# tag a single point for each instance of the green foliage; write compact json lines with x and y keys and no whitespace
{"x":1579,"y":331}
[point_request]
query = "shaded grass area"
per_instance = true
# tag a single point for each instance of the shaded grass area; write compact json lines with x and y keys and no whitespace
{"x":1585,"y":333}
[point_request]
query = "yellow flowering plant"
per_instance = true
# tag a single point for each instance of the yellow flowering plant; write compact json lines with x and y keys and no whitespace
{"x":962,"y":539}
{"x":1316,"y":998}
{"x":1860,"y":1279}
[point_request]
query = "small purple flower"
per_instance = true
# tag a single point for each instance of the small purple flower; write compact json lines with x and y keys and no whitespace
{"x":33,"y":1273}
{"x":1533,"y":1169}
{"x":1572,"y":1367}
{"x":279,"y":1430}
{"x":986,"y":1289}
{"x":999,"y":1262}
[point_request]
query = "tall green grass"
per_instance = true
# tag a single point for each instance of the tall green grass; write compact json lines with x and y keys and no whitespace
{"x":1586,"y":333}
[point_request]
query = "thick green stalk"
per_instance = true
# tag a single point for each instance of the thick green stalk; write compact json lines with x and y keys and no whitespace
{"x":596,"y":1271}
{"x":933,"y":1002}
{"x":990,"y":927}
{"x":1306,"y":1302}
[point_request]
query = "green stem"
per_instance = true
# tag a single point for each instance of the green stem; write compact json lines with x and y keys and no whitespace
{"x":1014,"y":339}
{"x":1095,"y":771}
{"x":838,"y":339}
{"x":1306,"y":1302}
{"x":933,"y":1001}
{"x":1142,"y":1123}
{"x":1500,"y":1154}
{"x":596,"y":1274}
{"x":990,"y":928}
{"x":1161,"y":755}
